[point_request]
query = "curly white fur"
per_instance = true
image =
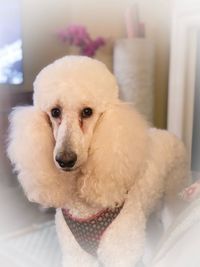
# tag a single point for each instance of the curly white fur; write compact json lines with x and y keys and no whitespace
{"x":119,"y":158}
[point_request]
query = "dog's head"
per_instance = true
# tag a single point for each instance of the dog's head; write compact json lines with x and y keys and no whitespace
{"x":74,"y":92}
{"x":78,"y":136}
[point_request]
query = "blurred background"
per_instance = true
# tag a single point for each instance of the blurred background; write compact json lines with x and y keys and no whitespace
{"x":148,"y":44}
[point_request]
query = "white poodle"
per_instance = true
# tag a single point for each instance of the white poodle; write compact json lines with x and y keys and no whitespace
{"x":81,"y":150}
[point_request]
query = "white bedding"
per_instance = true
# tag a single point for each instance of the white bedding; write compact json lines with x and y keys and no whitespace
{"x":180,"y":246}
{"x":36,"y":246}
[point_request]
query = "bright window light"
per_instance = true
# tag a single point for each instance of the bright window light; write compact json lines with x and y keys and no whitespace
{"x":10,"y":43}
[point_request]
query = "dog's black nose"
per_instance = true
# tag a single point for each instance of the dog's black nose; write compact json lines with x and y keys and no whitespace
{"x":66,"y":160}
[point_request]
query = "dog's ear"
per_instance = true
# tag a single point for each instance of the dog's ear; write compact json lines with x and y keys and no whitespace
{"x":116,"y":155}
{"x":30,"y":149}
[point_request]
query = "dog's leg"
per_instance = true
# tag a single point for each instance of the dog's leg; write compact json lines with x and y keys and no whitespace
{"x":170,"y":156}
{"x":123,"y":242}
{"x":73,"y":254}
{"x":173,"y":205}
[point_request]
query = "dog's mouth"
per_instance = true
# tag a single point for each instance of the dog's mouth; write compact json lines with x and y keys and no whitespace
{"x":69,"y":169}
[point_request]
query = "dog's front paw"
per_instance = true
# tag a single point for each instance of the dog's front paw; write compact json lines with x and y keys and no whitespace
{"x":122,"y":243}
{"x":115,"y":254}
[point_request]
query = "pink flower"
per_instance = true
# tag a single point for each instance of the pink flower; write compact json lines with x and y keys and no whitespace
{"x":77,"y":35}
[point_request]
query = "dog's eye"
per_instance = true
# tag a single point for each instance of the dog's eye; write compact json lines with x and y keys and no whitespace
{"x":86,"y":113}
{"x":55,"y":112}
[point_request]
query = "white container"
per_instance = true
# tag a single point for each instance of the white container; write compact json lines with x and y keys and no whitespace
{"x":133,"y":66}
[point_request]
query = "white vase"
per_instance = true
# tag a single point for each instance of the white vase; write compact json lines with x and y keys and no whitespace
{"x":134,"y":69}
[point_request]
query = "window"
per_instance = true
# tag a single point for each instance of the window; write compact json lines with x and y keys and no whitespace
{"x":10,"y":43}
